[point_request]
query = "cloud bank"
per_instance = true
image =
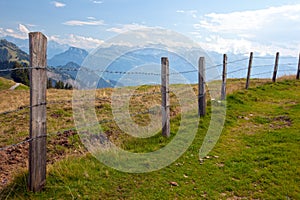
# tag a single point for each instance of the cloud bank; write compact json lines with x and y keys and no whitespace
{"x":275,"y":28}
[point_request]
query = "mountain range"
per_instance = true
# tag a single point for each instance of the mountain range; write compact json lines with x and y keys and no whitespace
{"x":73,"y":54}
{"x":116,"y":59}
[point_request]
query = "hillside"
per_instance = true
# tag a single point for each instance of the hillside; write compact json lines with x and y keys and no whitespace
{"x":5,"y":84}
{"x":11,"y":53}
{"x":53,"y":48}
{"x":255,"y":158}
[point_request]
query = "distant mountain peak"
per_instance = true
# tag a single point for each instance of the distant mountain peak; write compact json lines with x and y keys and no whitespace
{"x":5,"y":43}
{"x":73,"y":54}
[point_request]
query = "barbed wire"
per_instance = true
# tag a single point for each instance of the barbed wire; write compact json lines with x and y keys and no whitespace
{"x":258,"y":66}
{"x":264,"y":58}
{"x":289,"y":64}
{"x":136,"y":73}
{"x":13,"y":111}
{"x":103,"y":71}
{"x":20,"y":68}
{"x":21,"y":143}
{"x":262,"y":73}
{"x":286,"y":70}
{"x":235,"y":61}
{"x":238,"y":70}
{"x":21,"y":108}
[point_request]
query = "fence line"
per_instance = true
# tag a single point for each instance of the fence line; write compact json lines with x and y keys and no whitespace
{"x":37,"y":139}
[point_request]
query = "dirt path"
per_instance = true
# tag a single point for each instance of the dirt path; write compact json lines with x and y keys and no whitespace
{"x":15,"y":159}
{"x":15,"y":86}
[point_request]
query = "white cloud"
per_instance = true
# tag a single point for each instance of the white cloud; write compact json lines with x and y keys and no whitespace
{"x":10,"y":30}
{"x":126,"y":27}
{"x":58,"y":4}
{"x":21,"y":32}
{"x":150,"y":37}
{"x":82,"y":23}
{"x":192,"y":13}
{"x":274,"y":27}
{"x":77,"y":41}
{"x":98,"y":2}
{"x":243,"y":46}
{"x":23,"y":29}
{"x":249,"y":21}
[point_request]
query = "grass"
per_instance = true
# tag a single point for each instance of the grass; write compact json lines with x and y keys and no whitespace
{"x":5,"y":84}
{"x":256,"y":157}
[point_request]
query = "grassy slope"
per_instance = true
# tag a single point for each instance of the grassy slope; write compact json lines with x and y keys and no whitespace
{"x":5,"y":84}
{"x":256,"y":157}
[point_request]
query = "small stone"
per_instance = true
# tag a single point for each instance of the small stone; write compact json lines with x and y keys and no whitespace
{"x":216,"y":156}
{"x":223,"y":194}
{"x":207,"y":157}
{"x":174,"y":184}
{"x":246,"y":118}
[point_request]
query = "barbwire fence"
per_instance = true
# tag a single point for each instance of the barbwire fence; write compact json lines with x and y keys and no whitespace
{"x":235,"y":68}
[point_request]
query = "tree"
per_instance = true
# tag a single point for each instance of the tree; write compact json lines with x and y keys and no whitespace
{"x":19,"y":74}
{"x":68,"y":86}
{"x":59,"y":85}
{"x":49,"y":83}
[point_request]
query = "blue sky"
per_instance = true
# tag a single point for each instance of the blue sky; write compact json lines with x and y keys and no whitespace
{"x":235,"y":26}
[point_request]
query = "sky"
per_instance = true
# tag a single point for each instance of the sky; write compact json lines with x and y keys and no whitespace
{"x":230,"y":26}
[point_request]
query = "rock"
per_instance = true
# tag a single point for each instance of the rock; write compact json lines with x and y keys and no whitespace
{"x":174,"y":184}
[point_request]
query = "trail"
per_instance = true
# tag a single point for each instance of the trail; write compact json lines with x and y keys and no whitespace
{"x":15,"y":86}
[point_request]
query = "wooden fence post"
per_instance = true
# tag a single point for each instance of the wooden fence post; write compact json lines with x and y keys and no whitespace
{"x":249,"y":70}
{"x":276,"y":67}
{"x":165,"y":97}
{"x":201,"y":88}
{"x":38,"y":87}
{"x":224,"y":78}
{"x":298,"y":72}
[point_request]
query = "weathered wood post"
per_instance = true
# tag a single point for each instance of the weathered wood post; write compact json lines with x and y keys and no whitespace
{"x":165,"y":97}
{"x":38,"y":87}
{"x":298,"y":73}
{"x":249,"y":70}
{"x":224,"y":78}
{"x":201,"y":88}
{"x":276,"y":67}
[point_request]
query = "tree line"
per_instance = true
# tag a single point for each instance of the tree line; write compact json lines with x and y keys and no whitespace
{"x":58,"y":85}
{"x":21,"y":75}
